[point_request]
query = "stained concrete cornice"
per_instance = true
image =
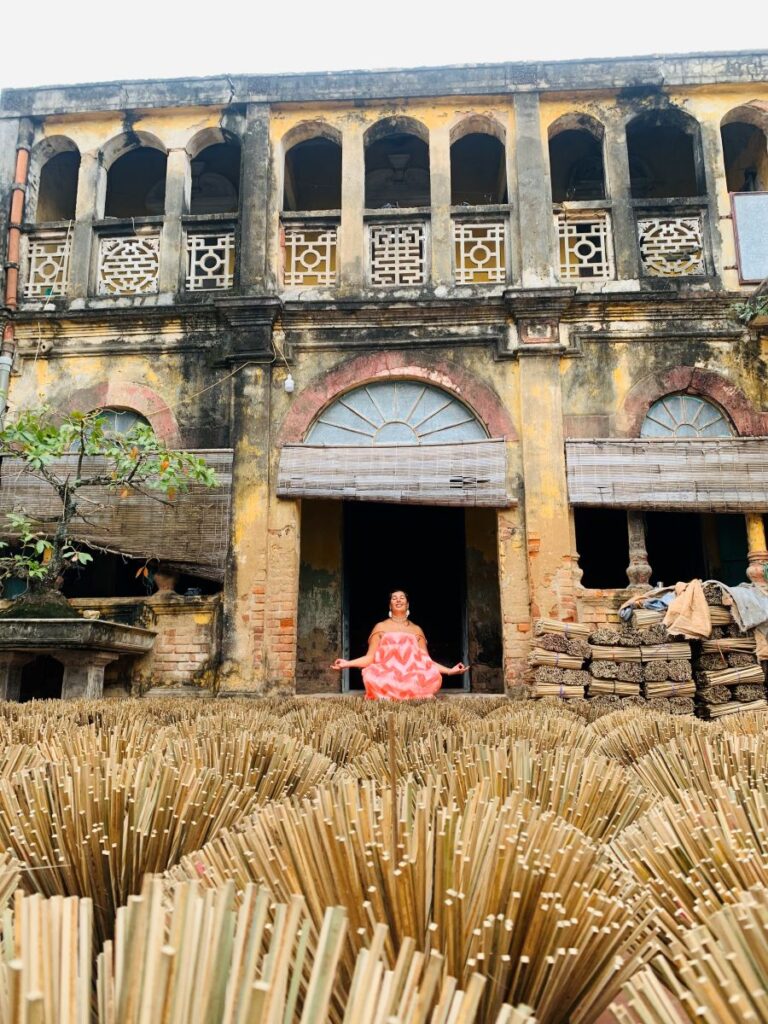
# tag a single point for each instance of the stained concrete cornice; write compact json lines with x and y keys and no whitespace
{"x":592,"y":74}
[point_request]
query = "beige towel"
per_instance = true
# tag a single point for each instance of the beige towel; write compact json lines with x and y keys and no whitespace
{"x":688,"y":615}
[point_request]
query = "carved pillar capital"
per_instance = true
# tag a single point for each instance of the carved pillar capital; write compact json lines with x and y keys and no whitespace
{"x":639,"y":570}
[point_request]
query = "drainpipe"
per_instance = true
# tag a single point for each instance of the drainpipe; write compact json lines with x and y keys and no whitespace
{"x":11,"y":303}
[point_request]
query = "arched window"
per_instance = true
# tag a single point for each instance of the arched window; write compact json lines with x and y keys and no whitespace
{"x":120,"y":421}
{"x":216,"y":179}
{"x":478,"y":171}
{"x":576,"y":159}
{"x":685,"y":416}
{"x":313,"y":175}
{"x":664,"y":151}
{"x":136,"y":184}
{"x":57,"y":191}
{"x":397,"y":164}
{"x":745,"y":150}
{"x":395,"y":412}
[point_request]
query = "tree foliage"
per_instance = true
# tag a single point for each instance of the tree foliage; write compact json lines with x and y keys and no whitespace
{"x":72,"y":454}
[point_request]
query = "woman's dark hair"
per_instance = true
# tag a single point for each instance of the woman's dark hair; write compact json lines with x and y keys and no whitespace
{"x":399,"y":590}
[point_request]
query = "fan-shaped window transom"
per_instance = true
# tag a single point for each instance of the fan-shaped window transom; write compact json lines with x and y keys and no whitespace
{"x":685,"y":416}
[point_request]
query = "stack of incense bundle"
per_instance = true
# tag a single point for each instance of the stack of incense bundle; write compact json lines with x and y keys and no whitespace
{"x":558,"y":659}
{"x":729,"y":677}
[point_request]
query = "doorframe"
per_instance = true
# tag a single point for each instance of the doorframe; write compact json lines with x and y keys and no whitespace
{"x":466,"y":686}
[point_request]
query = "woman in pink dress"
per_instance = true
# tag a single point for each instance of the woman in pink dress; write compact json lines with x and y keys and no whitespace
{"x":397,"y":665}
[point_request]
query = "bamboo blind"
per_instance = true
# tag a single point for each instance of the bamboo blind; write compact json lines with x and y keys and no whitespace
{"x":190,"y":532}
{"x":724,"y":474}
{"x":468,"y":473}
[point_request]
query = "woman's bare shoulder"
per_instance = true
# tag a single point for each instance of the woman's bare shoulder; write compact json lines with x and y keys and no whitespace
{"x":380,"y":627}
{"x":418,"y":629}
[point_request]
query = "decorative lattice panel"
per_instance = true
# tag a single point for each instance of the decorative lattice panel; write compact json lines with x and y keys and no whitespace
{"x":210,"y":261}
{"x":585,"y":245}
{"x":310,"y":256}
{"x":128,"y":265}
{"x":479,"y":252}
{"x":47,"y":265}
{"x":397,"y":253}
{"x":671,"y":246}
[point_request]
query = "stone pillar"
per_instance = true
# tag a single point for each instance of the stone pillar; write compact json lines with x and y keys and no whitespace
{"x":547,"y":524}
{"x":84,"y":673}
{"x":352,"y":257}
{"x":440,"y":201}
{"x":178,"y":186}
{"x":534,"y":196}
{"x":712,"y":161}
{"x":11,"y":665}
{"x":91,"y":193}
{"x":618,"y":189}
{"x":254,"y":275}
{"x":757,"y":555}
{"x":242,"y":668}
{"x":638,"y":570}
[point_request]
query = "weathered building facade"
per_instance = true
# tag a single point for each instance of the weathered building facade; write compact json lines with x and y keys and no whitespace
{"x":470,"y":331}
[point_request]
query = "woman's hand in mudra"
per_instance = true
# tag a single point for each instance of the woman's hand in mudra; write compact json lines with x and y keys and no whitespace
{"x":339,"y":664}
{"x":458,"y":669}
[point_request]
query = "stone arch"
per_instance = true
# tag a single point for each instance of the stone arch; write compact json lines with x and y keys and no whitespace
{"x":746,"y":420}
{"x":41,"y":154}
{"x":399,"y":125}
{"x":577,"y":121}
{"x":754,"y":113}
{"x":128,"y":395}
{"x":744,"y":139}
{"x":210,"y":137}
{"x":478,"y":397}
{"x":306,"y":130}
{"x":121,"y":144}
{"x":576,"y":158}
{"x":478,"y":124}
{"x":309,"y":167}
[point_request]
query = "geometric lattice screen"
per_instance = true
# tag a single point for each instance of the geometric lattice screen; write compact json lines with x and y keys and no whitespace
{"x":395,"y":412}
{"x":685,"y":416}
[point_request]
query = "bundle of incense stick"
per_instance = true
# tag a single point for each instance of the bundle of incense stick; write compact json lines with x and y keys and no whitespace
{"x":538,"y":656}
{"x":488,"y":910}
{"x":46,"y":961}
{"x":728,"y":643}
{"x":570,"y":629}
{"x":562,"y":690}
{"x":613,"y":686}
{"x":642,"y":617}
{"x":712,"y":711}
{"x":666,"y":652}
{"x":670,"y":688}
{"x":720,"y":616}
{"x":732,"y":676}
{"x":598,"y":652}
{"x":714,"y":971}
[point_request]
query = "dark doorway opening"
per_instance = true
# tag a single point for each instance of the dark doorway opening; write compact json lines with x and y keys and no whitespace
{"x":687,"y":545}
{"x":602,"y":542}
{"x":41,"y":679}
{"x":415,"y":548}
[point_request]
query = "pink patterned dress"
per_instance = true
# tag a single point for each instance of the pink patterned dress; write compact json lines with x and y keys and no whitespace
{"x":401,"y":670}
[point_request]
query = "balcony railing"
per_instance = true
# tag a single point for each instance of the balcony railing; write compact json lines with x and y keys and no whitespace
{"x":310,"y":247}
{"x":585,"y":244}
{"x":671,"y":241}
{"x":398,"y":251}
{"x":210,"y":262}
{"x":47,"y":264}
{"x":128,"y":264}
{"x":479,"y":249}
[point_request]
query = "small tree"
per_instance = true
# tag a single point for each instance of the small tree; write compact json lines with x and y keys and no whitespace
{"x":58,"y":451}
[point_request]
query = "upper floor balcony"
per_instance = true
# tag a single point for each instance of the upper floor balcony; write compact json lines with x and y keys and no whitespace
{"x":400,"y":208}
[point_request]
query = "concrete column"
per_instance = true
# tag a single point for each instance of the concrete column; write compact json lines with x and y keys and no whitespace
{"x":712,"y":162}
{"x":84,"y":673}
{"x":618,"y":190}
{"x":757,"y":555}
{"x":352,"y":258}
{"x":440,"y":201}
{"x":638,"y":570}
{"x":91,"y":191}
{"x":11,"y":664}
{"x":550,"y":555}
{"x":243,"y":668}
{"x":178,"y":186}
{"x":534,"y":196}
{"x":254,"y":274}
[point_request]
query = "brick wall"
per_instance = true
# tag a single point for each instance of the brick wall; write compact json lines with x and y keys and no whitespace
{"x":186,"y":650}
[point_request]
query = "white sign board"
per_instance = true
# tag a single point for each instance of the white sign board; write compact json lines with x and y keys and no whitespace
{"x":750,"y":222}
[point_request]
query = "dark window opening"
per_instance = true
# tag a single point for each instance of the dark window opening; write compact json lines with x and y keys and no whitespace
{"x":576,"y":166}
{"x":136,"y":184}
{"x":216,"y":179}
{"x":57,"y":193}
{"x":602,"y":541}
{"x":745,"y":153}
{"x":690,"y":545}
{"x":478,"y":171}
{"x":664,"y":159}
{"x":397,"y":172}
{"x":419,"y":549}
{"x":111,"y":575}
{"x":313,"y":176}
{"x":41,"y":679}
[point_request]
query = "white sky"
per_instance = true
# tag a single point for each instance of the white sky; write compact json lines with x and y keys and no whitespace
{"x":64,"y":41}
